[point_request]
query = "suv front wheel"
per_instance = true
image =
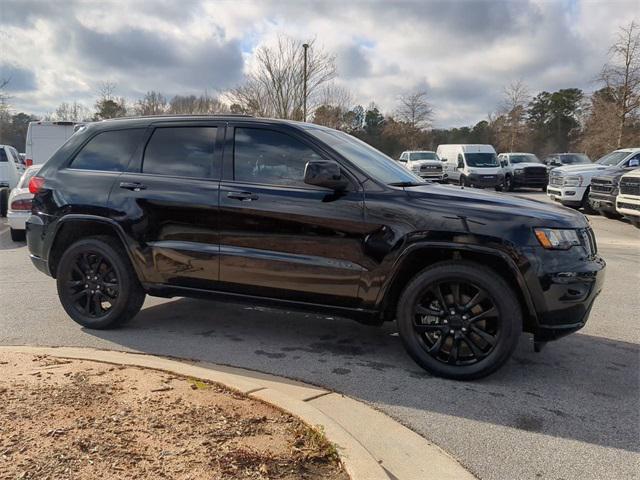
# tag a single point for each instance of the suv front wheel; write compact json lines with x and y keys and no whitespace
{"x":97,"y":285}
{"x":459,"y":320}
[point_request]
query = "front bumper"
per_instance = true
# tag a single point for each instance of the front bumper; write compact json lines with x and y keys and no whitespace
{"x":628,"y":205}
{"x":563,"y":286}
{"x":485,"y":180}
{"x":523,"y":181}
{"x":569,"y":196}
{"x":602,"y":202}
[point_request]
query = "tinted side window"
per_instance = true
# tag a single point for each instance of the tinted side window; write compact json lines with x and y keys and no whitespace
{"x":3,"y":155}
{"x":181,"y":151}
{"x":109,"y":151}
{"x":269,"y":157}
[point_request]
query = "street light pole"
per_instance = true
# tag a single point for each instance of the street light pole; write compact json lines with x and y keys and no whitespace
{"x":304,"y":99}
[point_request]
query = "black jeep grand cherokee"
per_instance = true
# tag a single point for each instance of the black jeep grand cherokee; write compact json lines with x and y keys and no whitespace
{"x":298,"y":215}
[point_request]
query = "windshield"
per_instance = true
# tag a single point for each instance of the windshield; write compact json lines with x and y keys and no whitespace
{"x":365,"y":157}
{"x":574,"y":159}
{"x":423,"y":156}
{"x":481,"y":159}
{"x":613,"y":158}
{"x":528,"y":158}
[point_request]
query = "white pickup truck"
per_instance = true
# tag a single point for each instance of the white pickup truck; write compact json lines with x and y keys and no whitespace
{"x":423,"y":163}
{"x":628,"y":199}
{"x":570,"y":185}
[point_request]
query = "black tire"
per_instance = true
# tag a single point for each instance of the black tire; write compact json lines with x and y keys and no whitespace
{"x":17,"y":235}
{"x":110,"y":279}
{"x":462,"y":181}
{"x":4,"y":201}
{"x":544,"y":189}
{"x":585,"y":205}
{"x":499,"y":188}
{"x":610,"y":215}
{"x":508,"y":183}
{"x":501,"y":328}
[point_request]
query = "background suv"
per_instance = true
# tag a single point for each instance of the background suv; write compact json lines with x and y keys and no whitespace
{"x":523,"y":170}
{"x":294,"y":214}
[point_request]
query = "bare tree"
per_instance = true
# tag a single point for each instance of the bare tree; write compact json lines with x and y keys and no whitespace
{"x":276,"y":86}
{"x":515,"y":98}
{"x":153,"y":103}
{"x":622,"y":75}
{"x":73,"y":112}
{"x":4,"y":98}
{"x":415,"y":109}
{"x":191,"y":104}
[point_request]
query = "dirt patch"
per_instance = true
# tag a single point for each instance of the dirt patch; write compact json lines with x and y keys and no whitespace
{"x":63,"y":419}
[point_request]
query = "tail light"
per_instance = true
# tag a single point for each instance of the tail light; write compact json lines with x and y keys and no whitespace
{"x":28,"y":162}
{"x":36,"y":184}
{"x":21,"y":204}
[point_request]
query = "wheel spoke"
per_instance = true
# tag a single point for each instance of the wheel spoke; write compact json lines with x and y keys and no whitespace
{"x":438,"y":294}
{"x":87,"y":304}
{"x":455,"y":293}
{"x":79,"y":294}
{"x":76,"y":269}
{"x":476,"y":300}
{"x":453,"y":353}
{"x":427,"y":327}
{"x":75,"y":283}
{"x":422,"y":310}
{"x":97,"y":306}
{"x":492,"y":312}
{"x":477,"y":352}
{"x":487,"y":337}
{"x":437,"y":345}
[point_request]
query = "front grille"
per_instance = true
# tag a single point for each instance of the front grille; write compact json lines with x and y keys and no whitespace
{"x":535,"y":173}
{"x":431,"y":168}
{"x":555,"y":180}
{"x":630,"y":206}
{"x":630,"y":186}
{"x":601,"y":185}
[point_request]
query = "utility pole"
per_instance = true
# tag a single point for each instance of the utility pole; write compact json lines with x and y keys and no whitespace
{"x":304,"y":99}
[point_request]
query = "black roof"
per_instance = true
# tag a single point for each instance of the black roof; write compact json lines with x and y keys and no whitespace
{"x":143,"y":121}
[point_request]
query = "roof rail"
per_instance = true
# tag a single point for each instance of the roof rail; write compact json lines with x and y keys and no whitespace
{"x":174,"y":115}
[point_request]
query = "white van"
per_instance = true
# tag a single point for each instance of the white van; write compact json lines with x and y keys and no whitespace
{"x":473,"y":165}
{"x":44,"y":138}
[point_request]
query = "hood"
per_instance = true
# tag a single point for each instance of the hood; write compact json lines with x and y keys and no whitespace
{"x":483,"y":206}
{"x":611,"y":173}
{"x":576,"y":169}
{"x":425,"y":162}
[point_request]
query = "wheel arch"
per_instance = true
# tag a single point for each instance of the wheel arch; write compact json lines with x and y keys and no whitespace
{"x":418,"y":257}
{"x":76,"y":226}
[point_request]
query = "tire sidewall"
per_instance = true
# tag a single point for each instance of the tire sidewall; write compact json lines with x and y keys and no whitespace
{"x":504,"y":300}
{"x":122,"y":272}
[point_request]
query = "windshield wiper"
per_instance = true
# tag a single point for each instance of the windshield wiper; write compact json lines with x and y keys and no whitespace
{"x":405,"y":184}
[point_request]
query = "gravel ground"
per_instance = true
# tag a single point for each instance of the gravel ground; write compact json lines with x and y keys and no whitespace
{"x":81,"y":420}
{"x":570,"y":412}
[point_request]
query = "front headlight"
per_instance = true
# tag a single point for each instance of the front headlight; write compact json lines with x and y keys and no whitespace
{"x":415,"y":168}
{"x":519,"y":171}
{"x":557,"y":238}
{"x":574,"y":181}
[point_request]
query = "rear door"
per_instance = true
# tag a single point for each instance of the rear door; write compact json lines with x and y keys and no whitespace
{"x":280,"y":237}
{"x":168,"y":200}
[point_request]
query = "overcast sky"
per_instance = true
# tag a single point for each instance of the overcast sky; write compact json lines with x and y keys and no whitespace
{"x":462,"y":52}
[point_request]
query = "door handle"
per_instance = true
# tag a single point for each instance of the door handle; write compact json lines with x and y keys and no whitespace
{"x":134,"y":186}
{"x":244,"y":196}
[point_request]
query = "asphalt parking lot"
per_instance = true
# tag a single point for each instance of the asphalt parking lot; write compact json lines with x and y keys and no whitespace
{"x":572,"y":411}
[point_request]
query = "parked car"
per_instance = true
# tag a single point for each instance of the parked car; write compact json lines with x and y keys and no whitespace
{"x":569,"y":185}
{"x":628,"y":200}
{"x":20,"y":204}
{"x":44,"y":138}
{"x":10,"y":171}
{"x":523,"y":170}
{"x":156,"y":206}
{"x":556,"y":160}
{"x":472,"y":165}
{"x":423,"y":163}
{"x":603,"y":192}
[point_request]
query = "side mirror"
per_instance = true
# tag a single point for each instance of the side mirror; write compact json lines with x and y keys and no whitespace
{"x":325,"y":173}
{"x":443,"y":159}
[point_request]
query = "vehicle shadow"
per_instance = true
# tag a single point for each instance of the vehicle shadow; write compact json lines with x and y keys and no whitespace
{"x":569,"y":390}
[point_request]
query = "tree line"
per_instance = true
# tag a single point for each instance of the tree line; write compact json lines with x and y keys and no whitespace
{"x":564,"y":120}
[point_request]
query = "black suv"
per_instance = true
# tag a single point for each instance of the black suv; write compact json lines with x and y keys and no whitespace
{"x":298,"y":215}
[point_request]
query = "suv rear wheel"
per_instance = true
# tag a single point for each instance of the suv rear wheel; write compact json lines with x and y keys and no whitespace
{"x":97,"y":285}
{"x":459,"y":320}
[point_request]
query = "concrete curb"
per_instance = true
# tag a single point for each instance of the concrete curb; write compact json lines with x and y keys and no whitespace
{"x":371,"y":445}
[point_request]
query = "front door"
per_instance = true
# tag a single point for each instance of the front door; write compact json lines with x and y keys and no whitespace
{"x":280,"y":237}
{"x":169,"y":196}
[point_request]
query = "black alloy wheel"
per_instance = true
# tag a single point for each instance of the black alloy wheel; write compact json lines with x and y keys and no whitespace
{"x":94,"y":286}
{"x":97,"y":284}
{"x":459,"y":320}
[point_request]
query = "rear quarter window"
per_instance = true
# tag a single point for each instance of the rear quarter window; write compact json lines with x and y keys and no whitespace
{"x":109,"y":151}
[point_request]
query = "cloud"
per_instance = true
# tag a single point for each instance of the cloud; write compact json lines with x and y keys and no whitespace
{"x":20,"y":79}
{"x":463,"y":52}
